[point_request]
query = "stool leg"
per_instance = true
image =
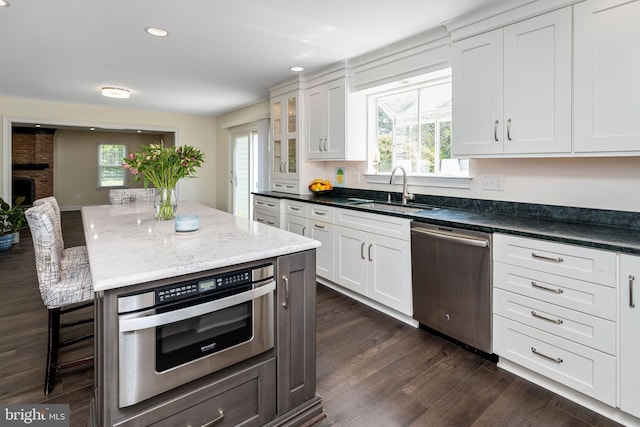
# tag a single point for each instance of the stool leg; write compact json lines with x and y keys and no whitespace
{"x":52,"y":351}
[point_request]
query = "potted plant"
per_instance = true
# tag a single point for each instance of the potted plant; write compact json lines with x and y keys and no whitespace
{"x":12,"y":219}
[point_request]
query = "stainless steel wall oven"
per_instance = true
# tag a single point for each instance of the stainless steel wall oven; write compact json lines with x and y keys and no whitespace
{"x":177,"y":333}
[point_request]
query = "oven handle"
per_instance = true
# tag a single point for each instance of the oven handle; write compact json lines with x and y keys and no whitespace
{"x":131,"y":323}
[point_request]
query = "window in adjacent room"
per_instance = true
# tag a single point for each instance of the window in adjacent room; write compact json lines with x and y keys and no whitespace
{"x":110,"y":170}
{"x":412,"y":127}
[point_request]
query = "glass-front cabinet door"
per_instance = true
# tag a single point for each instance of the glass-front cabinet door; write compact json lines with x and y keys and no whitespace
{"x":284,"y":137}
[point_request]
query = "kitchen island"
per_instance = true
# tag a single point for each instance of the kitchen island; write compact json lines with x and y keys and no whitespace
{"x":135,"y":257}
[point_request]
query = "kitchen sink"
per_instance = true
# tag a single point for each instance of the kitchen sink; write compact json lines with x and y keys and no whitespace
{"x":390,"y":207}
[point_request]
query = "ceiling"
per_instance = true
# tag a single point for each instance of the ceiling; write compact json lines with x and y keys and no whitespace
{"x":220,"y":55}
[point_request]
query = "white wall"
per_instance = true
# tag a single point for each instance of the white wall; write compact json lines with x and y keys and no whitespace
{"x":597,"y":183}
{"x":198,"y":131}
{"x":75,"y":166}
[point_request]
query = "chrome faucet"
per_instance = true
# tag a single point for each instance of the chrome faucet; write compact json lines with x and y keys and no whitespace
{"x":405,"y":194}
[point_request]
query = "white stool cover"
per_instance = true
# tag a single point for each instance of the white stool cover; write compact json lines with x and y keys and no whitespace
{"x":60,"y":284}
{"x":127,"y":196}
{"x":73,"y":255}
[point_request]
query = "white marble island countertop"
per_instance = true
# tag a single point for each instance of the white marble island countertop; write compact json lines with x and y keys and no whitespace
{"x":128,"y":245}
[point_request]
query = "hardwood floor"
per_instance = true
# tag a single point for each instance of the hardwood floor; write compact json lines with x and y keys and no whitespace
{"x":372,"y":370}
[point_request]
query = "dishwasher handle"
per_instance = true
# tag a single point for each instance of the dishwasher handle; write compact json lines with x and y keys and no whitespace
{"x":463,"y":240}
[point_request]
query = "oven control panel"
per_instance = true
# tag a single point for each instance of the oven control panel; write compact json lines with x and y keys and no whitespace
{"x":214,"y":283}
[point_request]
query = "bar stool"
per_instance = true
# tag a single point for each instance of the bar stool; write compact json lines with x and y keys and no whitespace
{"x":73,"y":255}
{"x":127,"y":196}
{"x":64,"y":287}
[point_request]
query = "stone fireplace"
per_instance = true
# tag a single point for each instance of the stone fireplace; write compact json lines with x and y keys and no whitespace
{"x":32,"y":163}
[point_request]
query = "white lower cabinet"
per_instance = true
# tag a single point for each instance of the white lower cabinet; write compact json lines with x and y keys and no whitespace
{"x":554,"y":313}
{"x":629,"y":330}
{"x":371,"y":264}
{"x":584,"y":369}
{"x":320,"y":222}
{"x":295,"y":217}
{"x":267,"y":210}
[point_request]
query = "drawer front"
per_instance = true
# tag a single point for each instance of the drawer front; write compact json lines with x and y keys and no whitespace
{"x":586,"y":297}
{"x":589,"y":371}
{"x":269,"y":204}
{"x":243,"y":403}
{"x":296,"y":208}
{"x":266,"y":218}
{"x":385,"y":225}
{"x":292,"y":187}
{"x":592,"y":265}
{"x":321,"y":213}
{"x":582,"y":328}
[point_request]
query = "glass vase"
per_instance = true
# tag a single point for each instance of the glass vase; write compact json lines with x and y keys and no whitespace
{"x":166,"y":203}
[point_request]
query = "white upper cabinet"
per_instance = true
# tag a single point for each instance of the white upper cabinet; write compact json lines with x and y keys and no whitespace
{"x":606,"y":82}
{"x":284,"y":136}
{"x":512,"y":89}
{"x":331,"y":132}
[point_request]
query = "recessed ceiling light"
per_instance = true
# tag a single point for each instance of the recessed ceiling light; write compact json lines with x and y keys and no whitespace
{"x":296,"y":69}
{"x":115,"y":92}
{"x":155,"y":31}
{"x":4,"y":3}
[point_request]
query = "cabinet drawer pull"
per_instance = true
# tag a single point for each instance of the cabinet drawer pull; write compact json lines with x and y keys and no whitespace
{"x":362,"y":251}
{"x":217,"y":419}
{"x":295,"y":208}
{"x":285,"y":303}
{"x":319,"y":213}
{"x":509,"y":129}
{"x":544,"y":288}
{"x":291,"y":186}
{"x":271,"y":205}
{"x":370,"y":259}
{"x":271,"y":223}
{"x":259,"y":219}
{"x":546,"y":258}
{"x":631,"y":279}
{"x":321,"y":227}
{"x":556,"y":321}
{"x":495,"y":131}
{"x":558,"y":360}
{"x":259,"y":202}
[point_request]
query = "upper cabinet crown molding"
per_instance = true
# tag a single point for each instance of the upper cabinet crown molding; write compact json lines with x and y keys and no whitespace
{"x":500,"y":15}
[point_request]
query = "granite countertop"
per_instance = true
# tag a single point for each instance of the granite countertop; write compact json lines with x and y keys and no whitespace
{"x":610,"y":230}
{"x":128,"y":245}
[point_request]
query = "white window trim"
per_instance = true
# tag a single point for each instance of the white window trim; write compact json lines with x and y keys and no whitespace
{"x":445,"y":181}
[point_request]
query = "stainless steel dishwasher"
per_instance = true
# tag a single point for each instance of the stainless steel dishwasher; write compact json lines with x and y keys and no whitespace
{"x":451,"y":275}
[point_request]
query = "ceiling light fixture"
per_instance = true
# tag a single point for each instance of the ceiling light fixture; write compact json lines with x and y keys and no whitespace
{"x":155,"y":31}
{"x":115,"y":92}
{"x":296,"y":69}
{"x":4,"y":3}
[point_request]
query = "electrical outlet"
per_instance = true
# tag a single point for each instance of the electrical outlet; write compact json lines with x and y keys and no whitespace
{"x":495,"y":183}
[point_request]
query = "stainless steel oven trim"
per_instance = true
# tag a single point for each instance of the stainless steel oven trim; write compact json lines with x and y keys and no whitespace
{"x":138,"y":379}
{"x":147,"y":319}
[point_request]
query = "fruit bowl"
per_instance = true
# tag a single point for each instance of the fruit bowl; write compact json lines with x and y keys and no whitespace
{"x":320,"y":186}
{"x":320,"y":191}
